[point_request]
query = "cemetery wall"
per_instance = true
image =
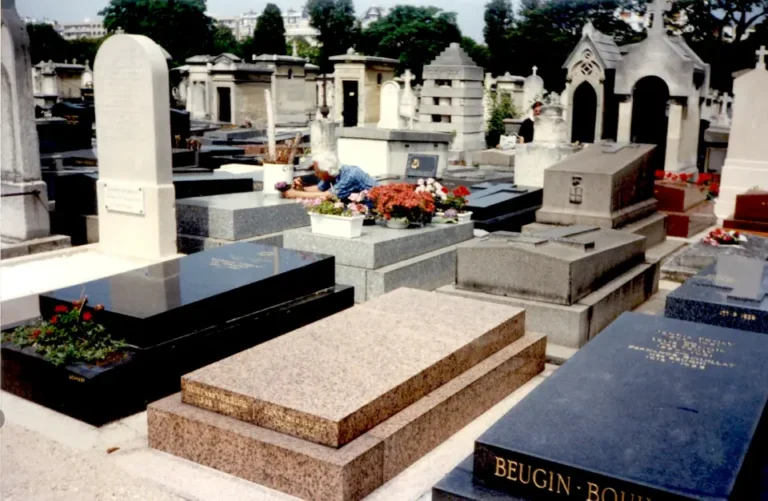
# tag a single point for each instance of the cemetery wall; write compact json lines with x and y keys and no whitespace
{"x":251,"y":105}
{"x":290,"y":100}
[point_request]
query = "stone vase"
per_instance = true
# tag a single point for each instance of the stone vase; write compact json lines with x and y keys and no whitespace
{"x":337,"y":226}
{"x":398,"y":224}
{"x":275,"y":173}
{"x":465,"y":217}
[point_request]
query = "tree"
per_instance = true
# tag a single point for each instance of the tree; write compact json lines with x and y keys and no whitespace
{"x":503,"y":108}
{"x":269,"y":36}
{"x":181,"y":27}
{"x":335,"y":19}
{"x":547,"y":33}
{"x":414,"y":35}
{"x":499,"y":22}
{"x":306,"y":50}
{"x":224,"y":41}
{"x":478,"y":52}
{"x":46,"y":44}
{"x":85,"y":49}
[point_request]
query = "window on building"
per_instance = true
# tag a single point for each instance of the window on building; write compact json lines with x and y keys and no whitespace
{"x":379,"y":78}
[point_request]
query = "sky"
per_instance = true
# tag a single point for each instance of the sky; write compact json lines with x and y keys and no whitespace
{"x":470,"y":12}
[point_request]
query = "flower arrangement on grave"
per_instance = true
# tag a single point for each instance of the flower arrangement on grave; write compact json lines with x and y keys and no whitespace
{"x":71,"y":335}
{"x":705,"y":181}
{"x":334,"y":207}
{"x":401,"y":203}
{"x":719,"y":236}
{"x":335,"y":218}
{"x":282,"y":186}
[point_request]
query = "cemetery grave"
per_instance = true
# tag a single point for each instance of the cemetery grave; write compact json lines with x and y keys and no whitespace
{"x":688,"y":209}
{"x":174,"y":317}
{"x":329,"y":414}
{"x":690,"y":260}
{"x":751,"y":213}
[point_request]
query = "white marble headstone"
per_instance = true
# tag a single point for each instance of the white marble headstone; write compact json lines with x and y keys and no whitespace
{"x":136,"y":195}
{"x":389,"y":114}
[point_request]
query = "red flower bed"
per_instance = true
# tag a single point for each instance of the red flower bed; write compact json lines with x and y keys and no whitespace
{"x":401,"y":201}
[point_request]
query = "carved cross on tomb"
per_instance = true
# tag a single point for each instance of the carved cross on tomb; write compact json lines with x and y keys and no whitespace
{"x":746,"y":279}
{"x":535,"y":69}
{"x":558,"y":236}
{"x":761,"y":57}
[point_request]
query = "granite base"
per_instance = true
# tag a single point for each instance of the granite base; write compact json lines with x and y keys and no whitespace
{"x":100,"y":394}
{"x":10,"y":248}
{"x":573,"y":326}
{"x":320,"y":473}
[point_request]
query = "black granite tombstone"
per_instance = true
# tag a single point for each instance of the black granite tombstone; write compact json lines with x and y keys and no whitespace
{"x":652,"y":409}
{"x":420,"y":166}
{"x":731,"y":292}
{"x":503,"y":206}
{"x":69,"y":128}
{"x":176,"y":316}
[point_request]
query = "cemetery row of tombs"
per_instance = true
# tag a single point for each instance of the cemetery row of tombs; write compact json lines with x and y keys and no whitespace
{"x":321,"y":348}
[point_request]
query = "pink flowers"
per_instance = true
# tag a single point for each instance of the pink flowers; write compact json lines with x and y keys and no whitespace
{"x":719,"y":236}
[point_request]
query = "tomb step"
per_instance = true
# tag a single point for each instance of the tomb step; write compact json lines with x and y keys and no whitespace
{"x":320,"y":473}
{"x":426,"y":272}
{"x":11,"y":249}
{"x":653,"y":228}
{"x":190,"y":244}
{"x":573,"y":326}
{"x":316,"y":383}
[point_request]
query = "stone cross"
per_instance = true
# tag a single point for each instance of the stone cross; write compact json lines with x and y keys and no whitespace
{"x":725,"y":101}
{"x":658,"y":8}
{"x":408,"y":78}
{"x":135,"y":187}
{"x":558,"y":236}
{"x":743,"y":277}
{"x":761,"y":57}
{"x":535,"y":69}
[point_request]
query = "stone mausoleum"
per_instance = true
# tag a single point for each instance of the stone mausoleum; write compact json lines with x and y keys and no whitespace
{"x":648,"y":92}
{"x":357,"y":83}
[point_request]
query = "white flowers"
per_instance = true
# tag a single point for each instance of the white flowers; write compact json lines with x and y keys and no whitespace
{"x":432,"y":187}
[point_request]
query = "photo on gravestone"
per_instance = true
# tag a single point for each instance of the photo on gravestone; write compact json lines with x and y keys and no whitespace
{"x":421,"y":166}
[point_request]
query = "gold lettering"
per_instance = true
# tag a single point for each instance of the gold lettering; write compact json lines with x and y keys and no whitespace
{"x":500,"y":470}
{"x":566,"y":486}
{"x":522,"y":474}
{"x":512,"y":469}
{"x":77,"y":378}
{"x":593,"y":490}
{"x":544,"y":485}
{"x":551,"y":480}
{"x":615,"y":496}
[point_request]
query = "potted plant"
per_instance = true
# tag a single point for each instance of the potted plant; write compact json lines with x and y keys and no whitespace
{"x":70,"y":336}
{"x":334,"y":218}
{"x":450,"y":204}
{"x":278,"y":165}
{"x":400,"y":205}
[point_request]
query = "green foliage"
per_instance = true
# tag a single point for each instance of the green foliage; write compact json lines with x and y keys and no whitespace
{"x":70,"y":336}
{"x":499,"y":22}
{"x":46,"y":44}
{"x":181,"y":27}
{"x":335,"y":207}
{"x":414,"y":35}
{"x":554,"y":29}
{"x":502,"y":109}
{"x":339,"y":30}
{"x":478,"y":52}
{"x":269,"y":36}
{"x":306,"y":50}
{"x":224,"y":41}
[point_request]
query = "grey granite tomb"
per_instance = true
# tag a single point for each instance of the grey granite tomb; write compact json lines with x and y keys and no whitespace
{"x":572,"y":281}
{"x":384,"y":259}
{"x":208,"y":222}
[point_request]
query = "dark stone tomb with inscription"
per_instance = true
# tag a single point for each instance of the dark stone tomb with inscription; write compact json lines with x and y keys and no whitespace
{"x":177,"y":316}
{"x":731,"y":292}
{"x":654,"y":409}
{"x":503,"y":206}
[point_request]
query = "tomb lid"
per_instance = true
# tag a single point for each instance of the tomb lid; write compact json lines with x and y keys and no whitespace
{"x":653,"y":408}
{"x":353,"y":57}
{"x":602,"y":158}
{"x":166,"y":300}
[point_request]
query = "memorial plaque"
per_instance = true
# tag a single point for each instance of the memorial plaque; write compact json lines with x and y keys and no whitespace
{"x":731,"y":292}
{"x":421,"y":166}
{"x":124,"y":199}
{"x":652,"y":409}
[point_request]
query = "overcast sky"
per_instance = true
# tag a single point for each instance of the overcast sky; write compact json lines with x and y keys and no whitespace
{"x":470,"y":12}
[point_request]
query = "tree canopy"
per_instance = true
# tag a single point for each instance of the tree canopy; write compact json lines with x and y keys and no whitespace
{"x":414,"y":35}
{"x":269,"y":35}
{"x":338,"y":27}
{"x":499,"y":22}
{"x":46,"y":44}
{"x":181,"y":27}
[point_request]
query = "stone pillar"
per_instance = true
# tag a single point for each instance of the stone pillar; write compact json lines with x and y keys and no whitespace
{"x":625,"y":121}
{"x":24,"y":194}
{"x":322,"y":134}
{"x":674,"y":135}
{"x":135,"y":189}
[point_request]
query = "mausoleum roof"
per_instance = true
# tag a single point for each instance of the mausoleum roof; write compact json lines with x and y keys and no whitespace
{"x":353,"y":57}
{"x":274,"y":58}
{"x":603,"y":45}
{"x":200,"y":59}
{"x":510,"y":78}
{"x":454,"y":55}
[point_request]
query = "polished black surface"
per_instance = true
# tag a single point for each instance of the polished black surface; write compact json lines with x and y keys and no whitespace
{"x":659,"y":408}
{"x":150,"y":305}
{"x":503,"y":206}
{"x":424,"y":166}
{"x":99,"y":394}
{"x":731,"y":292}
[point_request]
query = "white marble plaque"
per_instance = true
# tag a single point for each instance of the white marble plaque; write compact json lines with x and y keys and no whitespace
{"x":124,"y":199}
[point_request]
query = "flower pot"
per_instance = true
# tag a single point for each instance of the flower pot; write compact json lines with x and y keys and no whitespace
{"x":337,"y":226}
{"x":273,"y":174}
{"x":465,"y":217}
{"x":439,"y":218}
{"x":398,"y":224}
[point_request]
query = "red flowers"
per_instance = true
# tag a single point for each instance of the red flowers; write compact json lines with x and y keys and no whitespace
{"x":87,"y":316}
{"x":61,"y":309}
{"x":461,"y":191}
{"x":445,"y":190}
{"x":36,"y":333}
{"x":400,"y":201}
{"x":704,"y":178}
{"x":684,"y":177}
{"x":660,"y":174}
{"x":54,"y":319}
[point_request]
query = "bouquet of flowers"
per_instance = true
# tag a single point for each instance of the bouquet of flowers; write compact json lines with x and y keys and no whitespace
{"x":334,"y":207}
{"x":719,"y":236}
{"x":401,"y":201}
{"x":282,"y":186}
